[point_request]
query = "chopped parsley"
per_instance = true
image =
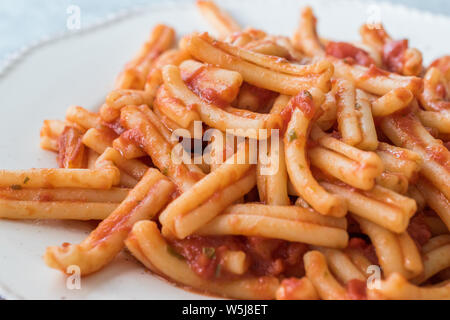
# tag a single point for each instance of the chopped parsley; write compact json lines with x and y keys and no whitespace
{"x":218,"y":270}
{"x":209,"y":252}
{"x":292,"y":136}
{"x":308,"y":94}
{"x":16,"y":187}
{"x":174,"y":253}
{"x":26,"y":180}
{"x":357,"y":106}
{"x":165,"y":171}
{"x":348,"y":61}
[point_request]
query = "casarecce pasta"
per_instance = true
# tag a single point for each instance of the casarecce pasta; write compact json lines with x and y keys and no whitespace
{"x":258,"y":166}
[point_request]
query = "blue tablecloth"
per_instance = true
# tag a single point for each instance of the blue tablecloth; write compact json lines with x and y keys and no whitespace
{"x":24,"y":21}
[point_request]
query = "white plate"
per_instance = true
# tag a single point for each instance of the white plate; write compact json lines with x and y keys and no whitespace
{"x":80,"y":69}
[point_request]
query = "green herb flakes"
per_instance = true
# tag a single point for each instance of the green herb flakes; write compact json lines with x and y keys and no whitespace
{"x":292,"y":136}
{"x":174,"y":253}
{"x":209,"y":252}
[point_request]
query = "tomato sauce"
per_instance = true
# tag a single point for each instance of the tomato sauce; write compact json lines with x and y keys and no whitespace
{"x":204,"y":254}
{"x":135,"y":136}
{"x":268,"y":257}
{"x":163,"y":98}
{"x":356,"y":289}
{"x":120,"y":222}
{"x":405,"y":121}
{"x":439,"y":154}
{"x":209,"y":95}
{"x":70,"y":146}
{"x":347,"y":51}
{"x":302,"y":101}
{"x":373,"y":72}
{"x":263,"y":96}
{"x":419,"y":230}
{"x":190,"y":78}
{"x":397,"y":153}
{"x":394,"y":55}
{"x":115,"y":126}
{"x":368,"y":250}
{"x":440,"y":90}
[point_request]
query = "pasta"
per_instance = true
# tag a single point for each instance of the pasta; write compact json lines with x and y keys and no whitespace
{"x":257,"y":166}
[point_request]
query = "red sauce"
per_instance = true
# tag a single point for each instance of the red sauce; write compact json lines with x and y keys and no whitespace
{"x":163,"y":97}
{"x":419,"y":230}
{"x":65,"y":245}
{"x":366,"y":249}
{"x":119,"y":222}
{"x":209,"y":95}
{"x":403,"y":94}
{"x":336,"y":134}
{"x":440,"y":90}
{"x":125,"y":141}
{"x":373,"y":72}
{"x":264,"y":96}
{"x":275,"y":257}
{"x":407,"y":123}
{"x":397,"y":153}
{"x":43,"y":197}
{"x":302,"y":101}
{"x":344,"y":50}
{"x":204,"y":254}
{"x":311,"y":144}
{"x":394,"y":55}
{"x":135,"y":136}
{"x":268,"y":257}
{"x":70,"y":147}
{"x":286,"y":115}
{"x":115,"y":126}
{"x":439,"y":154}
{"x":352,"y":225}
{"x":190,"y":78}
{"x":356,"y":289}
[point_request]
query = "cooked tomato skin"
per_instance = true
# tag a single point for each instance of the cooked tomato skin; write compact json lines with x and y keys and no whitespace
{"x":356,"y":289}
{"x":268,"y":257}
{"x":344,"y":50}
{"x":393,"y":55}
